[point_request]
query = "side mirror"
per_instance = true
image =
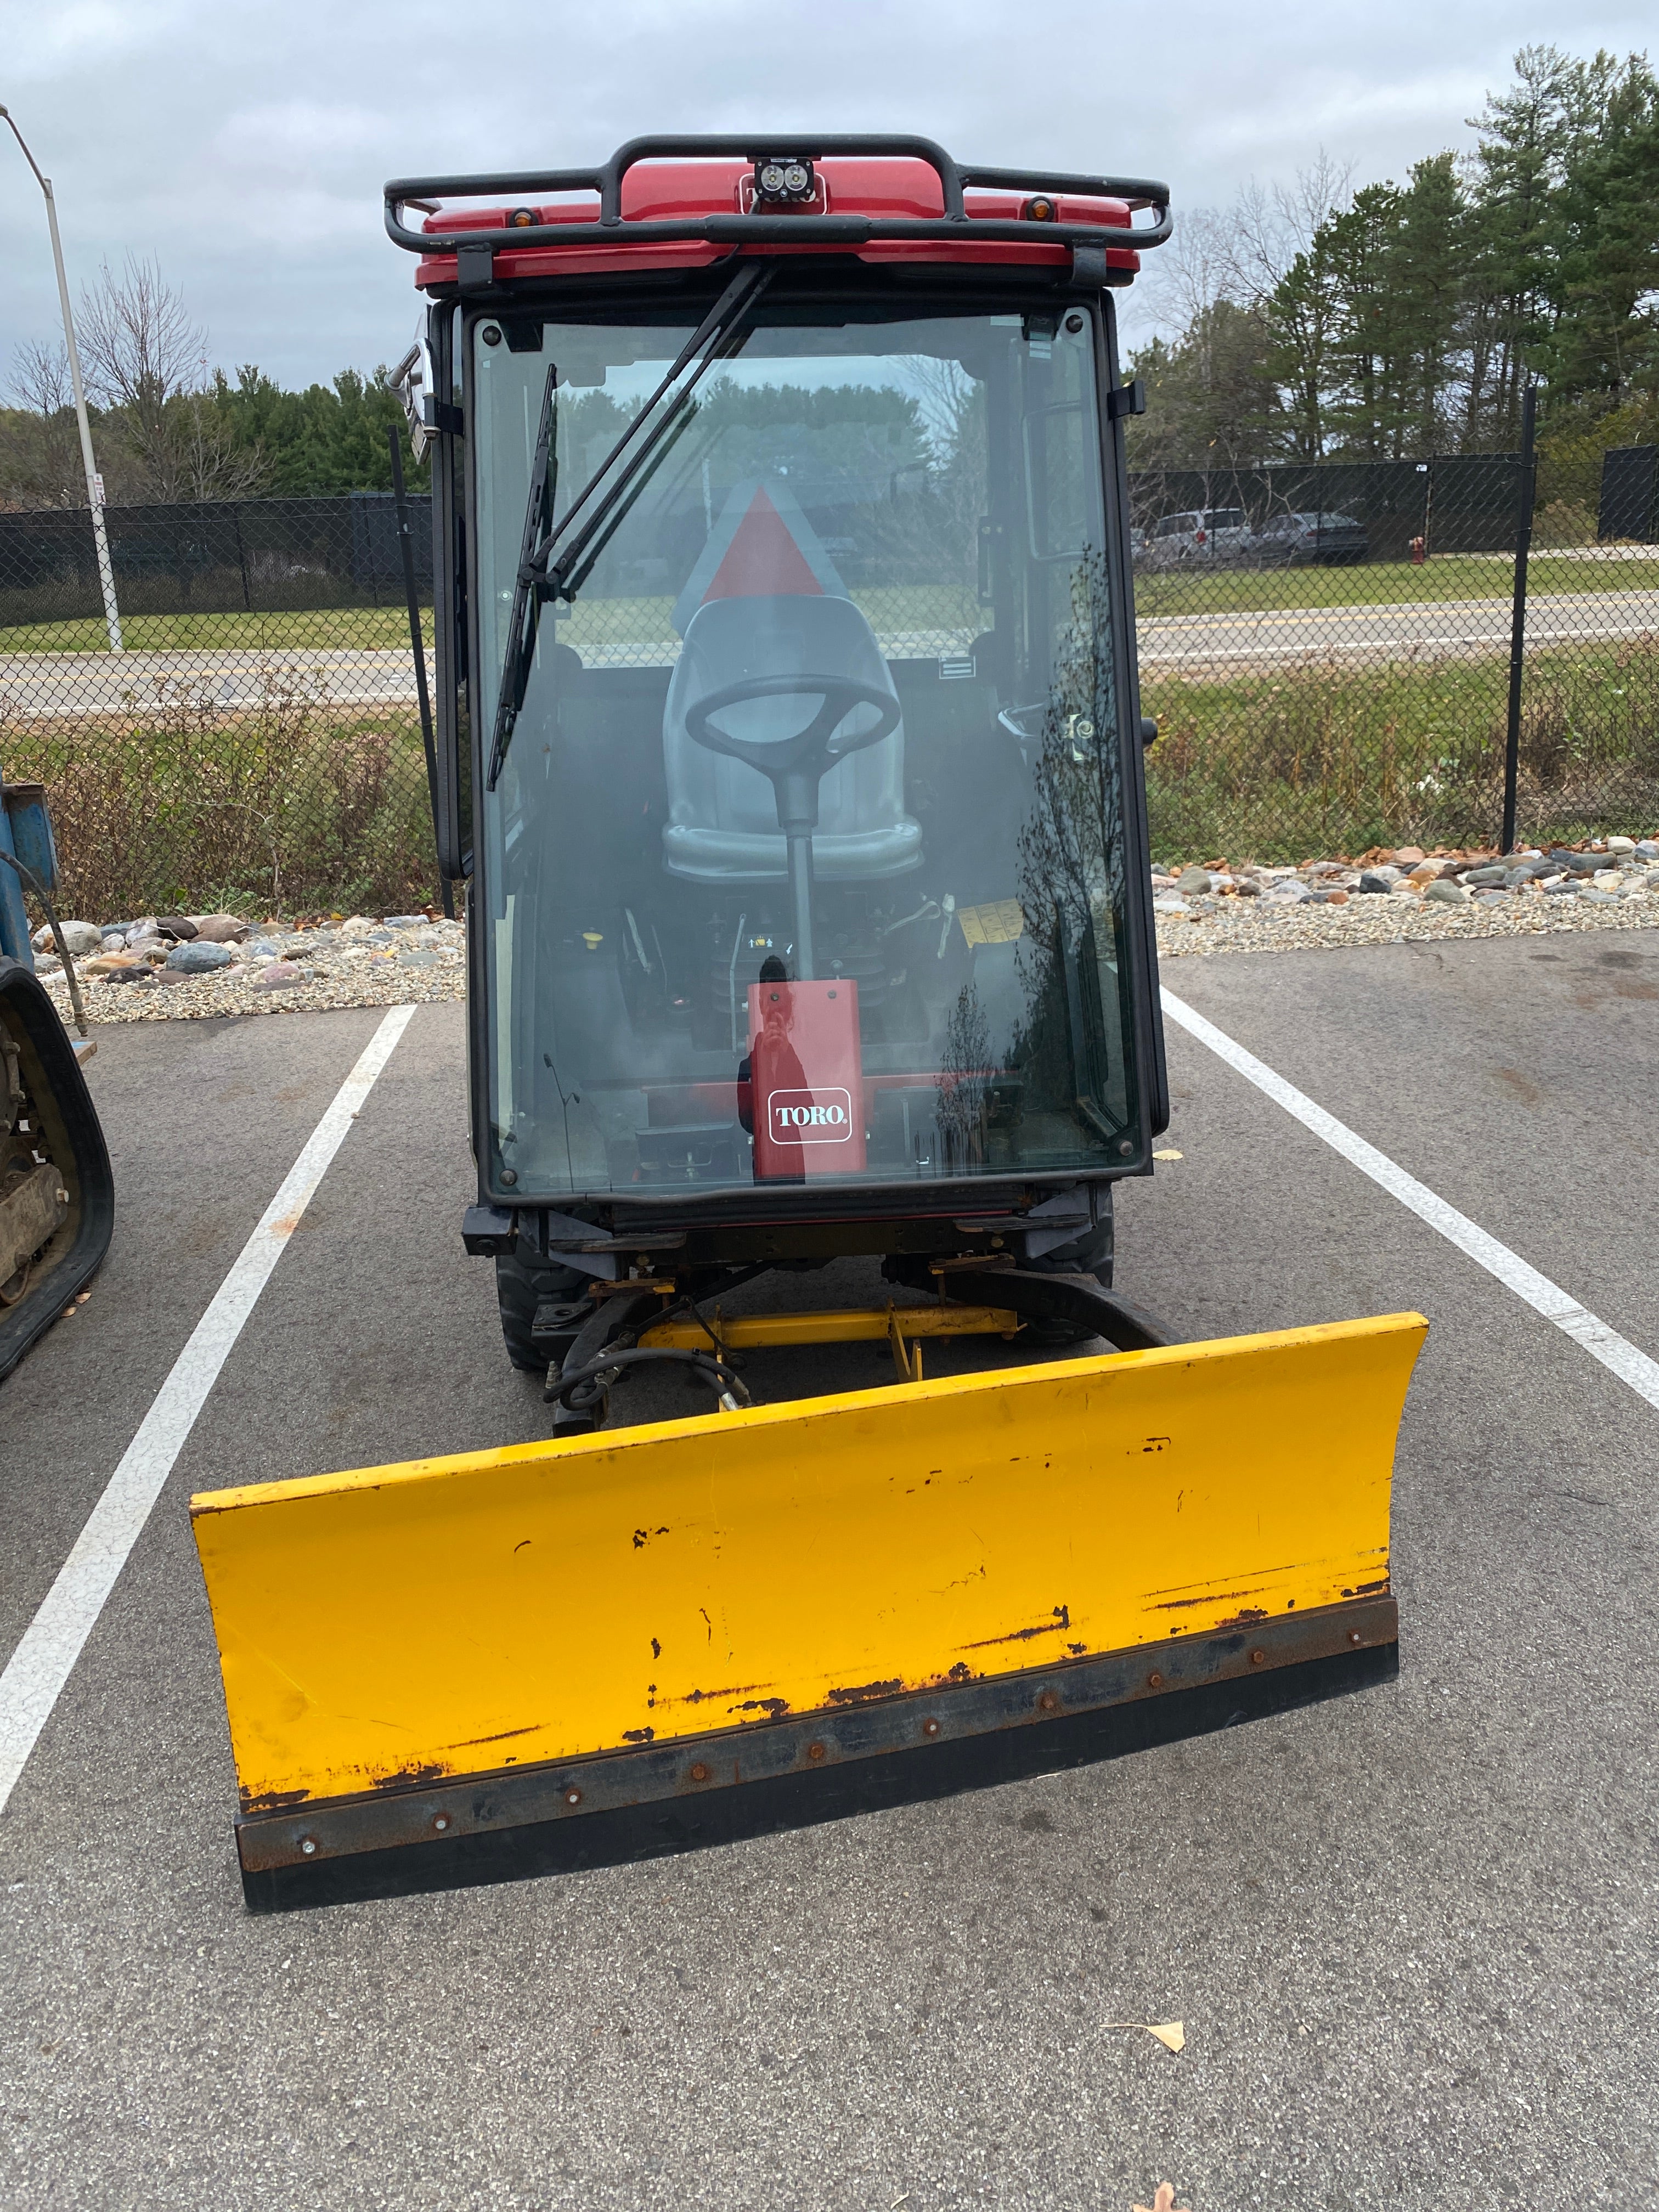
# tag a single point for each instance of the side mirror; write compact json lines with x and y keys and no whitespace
{"x":411,"y":380}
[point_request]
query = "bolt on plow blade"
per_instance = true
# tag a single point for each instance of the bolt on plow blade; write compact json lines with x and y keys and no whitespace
{"x":802,"y":1600}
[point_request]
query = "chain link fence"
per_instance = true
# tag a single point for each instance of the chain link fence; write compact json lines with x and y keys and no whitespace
{"x":1328,"y":650}
{"x":255,"y":743}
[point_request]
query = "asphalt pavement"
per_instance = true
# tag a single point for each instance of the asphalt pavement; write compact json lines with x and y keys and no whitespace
{"x":1410,"y":1933}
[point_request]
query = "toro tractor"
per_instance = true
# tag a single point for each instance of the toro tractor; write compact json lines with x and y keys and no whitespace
{"x":789,"y":746}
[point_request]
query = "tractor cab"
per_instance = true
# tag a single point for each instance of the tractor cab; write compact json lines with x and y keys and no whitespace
{"x":787,"y":618}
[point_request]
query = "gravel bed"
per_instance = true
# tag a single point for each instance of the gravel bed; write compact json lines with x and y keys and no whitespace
{"x":1235,"y":927}
{"x":271,"y":968}
{"x":1406,"y":897}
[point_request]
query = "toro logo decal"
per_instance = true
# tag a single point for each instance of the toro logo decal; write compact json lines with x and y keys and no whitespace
{"x":810,"y":1117}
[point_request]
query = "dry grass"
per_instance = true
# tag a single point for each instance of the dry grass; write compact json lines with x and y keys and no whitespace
{"x":296,"y":804}
{"x":1323,"y":758}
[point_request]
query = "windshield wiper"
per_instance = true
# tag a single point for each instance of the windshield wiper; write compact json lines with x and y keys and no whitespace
{"x":553,"y":563}
{"x":524,"y":619}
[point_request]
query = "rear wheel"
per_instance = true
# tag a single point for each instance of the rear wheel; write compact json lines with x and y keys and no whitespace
{"x":523,"y":1282}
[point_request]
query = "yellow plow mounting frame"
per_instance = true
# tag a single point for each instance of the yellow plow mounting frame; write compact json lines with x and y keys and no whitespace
{"x":1125,"y":1547}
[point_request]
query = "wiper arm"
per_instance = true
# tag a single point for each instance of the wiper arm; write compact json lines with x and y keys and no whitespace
{"x":541,"y":575}
{"x":526,"y":617}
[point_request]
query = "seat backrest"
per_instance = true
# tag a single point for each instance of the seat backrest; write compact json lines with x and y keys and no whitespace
{"x":800,"y":635}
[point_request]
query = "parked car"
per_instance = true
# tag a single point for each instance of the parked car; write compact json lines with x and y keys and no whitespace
{"x":1210,"y":535}
{"x":1300,"y":539}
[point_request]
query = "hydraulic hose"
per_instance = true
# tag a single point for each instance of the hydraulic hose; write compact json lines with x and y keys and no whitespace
{"x":579,"y":1390}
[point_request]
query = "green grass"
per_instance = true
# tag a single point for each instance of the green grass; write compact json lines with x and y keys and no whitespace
{"x":316,"y":626}
{"x":1386,"y":583}
{"x":1315,"y":762}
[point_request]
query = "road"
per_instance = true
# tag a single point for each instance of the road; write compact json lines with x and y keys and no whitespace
{"x":62,"y":686}
{"x":1411,"y":1934}
{"x":1430,"y":629}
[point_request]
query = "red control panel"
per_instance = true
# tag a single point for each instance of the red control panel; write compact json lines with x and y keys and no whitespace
{"x":807,"y":1079}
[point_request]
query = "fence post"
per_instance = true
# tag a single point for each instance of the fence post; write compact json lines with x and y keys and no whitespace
{"x":242,"y":555}
{"x":1523,"y":504}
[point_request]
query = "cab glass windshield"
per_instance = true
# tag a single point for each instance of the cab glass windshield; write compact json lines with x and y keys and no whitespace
{"x":804,"y":860}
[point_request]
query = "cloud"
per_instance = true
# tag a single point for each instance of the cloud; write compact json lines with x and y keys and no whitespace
{"x":245,"y":147}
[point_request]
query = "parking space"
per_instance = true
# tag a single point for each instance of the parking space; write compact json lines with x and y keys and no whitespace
{"x":1410,"y":1933}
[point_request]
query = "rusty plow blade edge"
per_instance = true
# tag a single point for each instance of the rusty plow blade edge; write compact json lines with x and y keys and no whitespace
{"x":454,"y":1646}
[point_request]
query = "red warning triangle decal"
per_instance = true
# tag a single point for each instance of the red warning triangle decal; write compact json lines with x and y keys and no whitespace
{"x":762,"y":559}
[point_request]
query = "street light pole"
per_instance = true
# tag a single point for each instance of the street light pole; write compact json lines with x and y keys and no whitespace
{"x":95,"y":483}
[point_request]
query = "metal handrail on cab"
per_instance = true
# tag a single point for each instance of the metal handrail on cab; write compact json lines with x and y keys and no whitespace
{"x":1039,"y":220}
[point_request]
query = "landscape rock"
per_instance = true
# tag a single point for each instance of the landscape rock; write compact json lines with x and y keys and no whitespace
{"x":1408,"y":856}
{"x":81,"y":937}
{"x":1446,"y":892}
{"x":220,"y":928}
{"x":178,"y":927}
{"x":1648,"y":849}
{"x":199,"y":957}
{"x":1378,"y":879}
{"x":280,"y":976}
{"x":417,"y":956}
{"x":1621,"y":844}
{"x":114,"y":963}
{"x":1483,"y":878}
{"x":412,"y":921}
{"x":1190,"y":883}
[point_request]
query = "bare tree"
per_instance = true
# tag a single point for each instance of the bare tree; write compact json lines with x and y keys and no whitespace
{"x":42,"y":463}
{"x":148,"y":363}
{"x":1241,"y":252}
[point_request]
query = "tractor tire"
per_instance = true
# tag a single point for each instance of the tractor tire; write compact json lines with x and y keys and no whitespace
{"x":1092,"y":1254}
{"x":523,"y":1281}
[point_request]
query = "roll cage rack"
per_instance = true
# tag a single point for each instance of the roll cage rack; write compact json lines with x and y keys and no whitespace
{"x":956,"y":226}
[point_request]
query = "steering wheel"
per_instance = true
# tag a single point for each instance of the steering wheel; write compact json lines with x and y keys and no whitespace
{"x":796,"y":766}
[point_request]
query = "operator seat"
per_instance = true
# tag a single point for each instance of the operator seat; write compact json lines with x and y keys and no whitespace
{"x":722,"y":817}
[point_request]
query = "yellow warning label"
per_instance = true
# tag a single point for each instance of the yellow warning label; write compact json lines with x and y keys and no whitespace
{"x":999,"y":923}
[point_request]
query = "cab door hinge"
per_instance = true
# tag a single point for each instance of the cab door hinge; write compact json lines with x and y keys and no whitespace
{"x":1127,"y":399}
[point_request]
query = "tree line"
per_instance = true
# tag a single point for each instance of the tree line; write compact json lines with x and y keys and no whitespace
{"x":166,"y":426}
{"x":1316,"y":321}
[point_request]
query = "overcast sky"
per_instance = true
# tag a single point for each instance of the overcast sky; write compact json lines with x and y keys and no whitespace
{"x":245,"y":145}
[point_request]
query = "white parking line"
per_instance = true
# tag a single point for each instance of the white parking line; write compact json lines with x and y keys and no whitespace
{"x":44,"y":1658}
{"x":1615,"y":1351}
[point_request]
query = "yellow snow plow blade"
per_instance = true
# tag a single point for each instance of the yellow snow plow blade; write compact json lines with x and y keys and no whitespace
{"x":454,"y":1646}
